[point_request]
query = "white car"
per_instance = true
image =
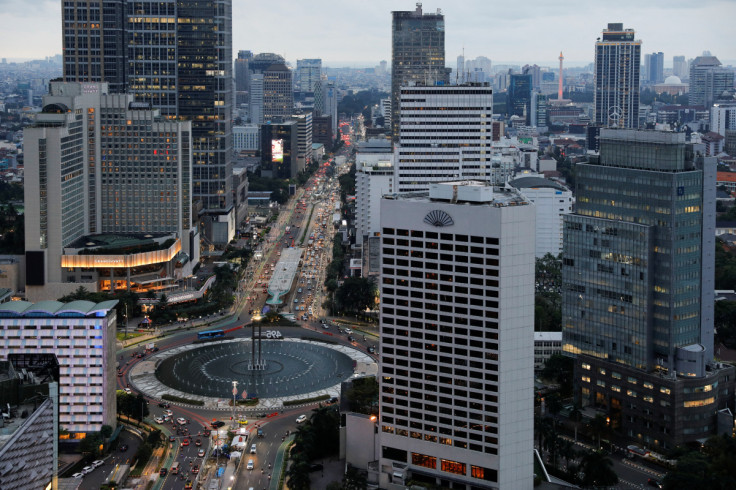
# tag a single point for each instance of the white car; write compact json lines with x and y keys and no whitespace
{"x":98,"y":463}
{"x":301,"y":418}
{"x":348,"y":331}
{"x":78,"y":475}
{"x":250,"y":465}
{"x":253,"y":449}
{"x":159,"y":420}
{"x":168,"y":413}
{"x":87,"y":469}
{"x":128,"y":391}
{"x":181,"y":421}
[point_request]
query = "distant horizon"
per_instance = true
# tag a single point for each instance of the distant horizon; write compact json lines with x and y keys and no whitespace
{"x":369,"y":64}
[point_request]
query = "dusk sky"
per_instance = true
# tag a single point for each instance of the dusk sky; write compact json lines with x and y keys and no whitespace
{"x":358,"y":33}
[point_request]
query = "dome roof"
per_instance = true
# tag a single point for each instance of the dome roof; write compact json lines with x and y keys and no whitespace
{"x":673,"y":80}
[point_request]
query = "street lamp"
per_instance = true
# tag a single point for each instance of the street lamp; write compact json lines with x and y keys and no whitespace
{"x":235,"y":392}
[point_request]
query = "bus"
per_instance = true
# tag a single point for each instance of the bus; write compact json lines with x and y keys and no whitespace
{"x":212,"y":334}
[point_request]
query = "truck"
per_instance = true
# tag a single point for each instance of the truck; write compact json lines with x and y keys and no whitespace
{"x":151,"y":347}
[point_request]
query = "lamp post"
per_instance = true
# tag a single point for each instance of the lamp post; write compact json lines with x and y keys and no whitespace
{"x":235,"y":392}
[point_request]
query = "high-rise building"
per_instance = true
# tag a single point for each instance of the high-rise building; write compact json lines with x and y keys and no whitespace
{"x":417,"y":54}
{"x":280,"y":150}
{"x":94,"y":42}
{"x":519,"y":95}
{"x":679,"y":67}
{"x":308,"y":72}
{"x":99,"y":166}
{"x":255,"y":109}
{"x":537,"y":116}
{"x":617,"y":65}
{"x":708,"y":81}
{"x":723,"y":122}
{"x":374,"y":177}
{"x":444,"y":134}
{"x":457,"y":344}
{"x":304,"y":134}
{"x":242,"y":71}
{"x":278,"y":93}
{"x":536,"y":73}
{"x":654,"y":67}
{"x":81,"y":335}
{"x":638,"y":282}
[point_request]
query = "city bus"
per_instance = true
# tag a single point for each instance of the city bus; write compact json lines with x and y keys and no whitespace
{"x":212,"y":334}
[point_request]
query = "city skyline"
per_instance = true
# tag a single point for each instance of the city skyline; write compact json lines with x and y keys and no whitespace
{"x":470,"y":26}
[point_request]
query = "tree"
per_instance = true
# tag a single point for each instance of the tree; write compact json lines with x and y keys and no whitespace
{"x":105,"y":431}
{"x":599,"y":427}
{"x":298,"y":475}
{"x":560,"y":369}
{"x":356,"y":294}
{"x":362,"y":396}
{"x":597,"y":469}
{"x":354,"y":479}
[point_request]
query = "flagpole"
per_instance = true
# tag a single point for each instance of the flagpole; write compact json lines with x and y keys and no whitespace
{"x":235,"y":392}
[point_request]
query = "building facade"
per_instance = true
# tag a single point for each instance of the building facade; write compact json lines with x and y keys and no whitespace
{"x":242,"y":71}
{"x":82,"y":336}
{"x":417,"y":54}
{"x":101,"y":165}
{"x":444,"y":134}
{"x":278,"y":93}
{"x":374,"y":177}
{"x":519,"y":96}
{"x":247,"y":137}
{"x":551,"y":202}
{"x":617,"y":66}
{"x":457,"y":314}
{"x":94,"y":42}
{"x":708,"y":81}
{"x":638,"y":282}
{"x":304,"y":134}
{"x":308,"y":73}
{"x":280,"y":150}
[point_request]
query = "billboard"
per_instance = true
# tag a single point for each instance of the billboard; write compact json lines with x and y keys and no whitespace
{"x":277,"y":151}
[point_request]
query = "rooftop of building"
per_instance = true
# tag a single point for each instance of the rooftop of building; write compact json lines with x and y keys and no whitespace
{"x":56,"y":309}
{"x":536,"y":183}
{"x":469,"y":192}
{"x":547,"y":336}
{"x":110,"y":243}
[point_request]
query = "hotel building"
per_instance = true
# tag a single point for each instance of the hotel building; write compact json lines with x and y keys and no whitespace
{"x":457,"y":344}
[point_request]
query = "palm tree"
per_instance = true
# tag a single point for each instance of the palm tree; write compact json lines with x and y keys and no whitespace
{"x":598,"y":427}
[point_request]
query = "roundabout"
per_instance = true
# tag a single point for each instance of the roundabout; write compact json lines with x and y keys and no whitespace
{"x":289,"y":369}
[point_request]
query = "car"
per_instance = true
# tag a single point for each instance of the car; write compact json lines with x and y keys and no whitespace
{"x":252,"y":448}
{"x":260,"y":433}
{"x":195,"y":469}
{"x":188,"y":485}
{"x":217,"y":424}
{"x":348,"y":331}
{"x":120,"y":373}
{"x":164,"y":405}
{"x":159,"y":420}
{"x":372,"y":349}
{"x":185,"y":442}
{"x":250,"y":465}
{"x":316,"y":467}
{"x":351,"y":338}
{"x":168,"y":412}
{"x":87,"y":470}
{"x":654,"y":483}
{"x":172,"y":438}
{"x":334,"y":399}
{"x":296,"y":300}
{"x":301,"y":419}
{"x":123,"y":448}
{"x":206,"y":432}
{"x":299,"y":290}
{"x":78,"y":475}
{"x":97,"y":464}
{"x":181,"y":421}
{"x":200,"y":453}
{"x":163,"y":472}
{"x":128,"y":391}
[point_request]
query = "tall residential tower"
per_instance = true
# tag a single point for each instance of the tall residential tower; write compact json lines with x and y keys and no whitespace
{"x":617,"y":66}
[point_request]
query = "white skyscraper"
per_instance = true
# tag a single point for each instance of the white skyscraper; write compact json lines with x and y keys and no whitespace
{"x":444,"y":134}
{"x":374,"y":165}
{"x":457,"y":343}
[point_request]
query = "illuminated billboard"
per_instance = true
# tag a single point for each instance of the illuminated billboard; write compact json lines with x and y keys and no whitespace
{"x":277,"y":151}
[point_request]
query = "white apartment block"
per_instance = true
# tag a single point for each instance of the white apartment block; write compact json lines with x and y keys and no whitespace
{"x":374,"y":164}
{"x":551,"y":201}
{"x":723,"y":118}
{"x":546,"y":344}
{"x":304,"y":139}
{"x":82,"y":336}
{"x":457,"y":316}
{"x":445,"y":133}
{"x":247,"y":137}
